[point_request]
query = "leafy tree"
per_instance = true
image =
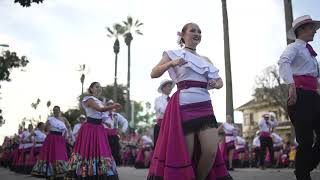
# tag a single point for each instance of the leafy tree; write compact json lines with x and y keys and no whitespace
{"x":27,"y":3}
{"x":8,"y":62}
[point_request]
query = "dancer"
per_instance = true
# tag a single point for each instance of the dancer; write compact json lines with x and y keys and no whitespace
{"x":113,"y":121}
{"x":256,"y":149}
{"x":189,"y":123}
{"x":299,"y":69}
{"x":52,"y":162}
{"x":160,"y":105}
{"x":265,"y":126}
{"x":240,"y":148}
{"x":145,"y":151}
{"x":38,"y":137}
{"x":229,"y":132}
{"x":277,"y":147}
{"x":91,"y":157}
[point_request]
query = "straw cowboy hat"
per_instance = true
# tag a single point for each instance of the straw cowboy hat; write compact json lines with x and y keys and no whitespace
{"x":265,"y":114}
{"x":299,"y":22}
{"x":164,"y":82}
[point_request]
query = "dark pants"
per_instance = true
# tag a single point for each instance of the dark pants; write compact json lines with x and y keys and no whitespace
{"x":305,"y":117}
{"x":115,"y":148}
{"x":156,"y":131}
{"x":266,"y":142}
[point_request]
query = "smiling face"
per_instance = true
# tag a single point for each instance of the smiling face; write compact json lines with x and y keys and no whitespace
{"x":191,"y":35}
{"x":95,"y":89}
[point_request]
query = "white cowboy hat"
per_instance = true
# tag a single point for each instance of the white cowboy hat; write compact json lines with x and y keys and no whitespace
{"x":301,"y":21}
{"x":82,"y":116}
{"x":265,"y":114}
{"x":164,"y":82}
{"x":272,"y":114}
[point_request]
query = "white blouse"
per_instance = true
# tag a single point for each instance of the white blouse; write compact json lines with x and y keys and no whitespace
{"x":256,"y":142}
{"x":277,"y":140}
{"x":196,"y":69}
{"x":241,"y":143}
{"x":229,"y":129}
{"x":56,"y":125}
{"x":39,"y":137}
{"x":92,"y":112}
{"x":26,"y":138}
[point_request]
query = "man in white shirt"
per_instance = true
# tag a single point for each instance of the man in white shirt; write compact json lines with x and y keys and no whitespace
{"x":299,"y":69}
{"x":76,"y":128}
{"x":114,"y":121}
{"x":265,"y":126}
{"x":161,"y":102}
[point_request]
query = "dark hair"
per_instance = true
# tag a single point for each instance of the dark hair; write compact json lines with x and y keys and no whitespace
{"x":39,"y":124}
{"x":91,"y":86}
{"x":184,"y":29}
{"x":56,"y":107}
{"x":302,"y":27}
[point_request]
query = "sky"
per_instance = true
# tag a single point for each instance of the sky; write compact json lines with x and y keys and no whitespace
{"x":58,"y":35}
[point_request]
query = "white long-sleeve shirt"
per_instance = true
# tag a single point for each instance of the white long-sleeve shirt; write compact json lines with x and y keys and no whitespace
{"x":277,"y":140}
{"x":256,"y":142}
{"x":297,"y":60}
{"x":264,"y":127}
{"x":115,"y":120}
{"x":75,"y":130}
{"x":160,"y":105}
{"x":240,"y":142}
{"x":229,"y":130}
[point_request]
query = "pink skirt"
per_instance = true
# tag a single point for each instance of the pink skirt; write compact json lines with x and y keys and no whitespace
{"x":92,"y":157}
{"x":32,"y":159}
{"x":52,"y":162}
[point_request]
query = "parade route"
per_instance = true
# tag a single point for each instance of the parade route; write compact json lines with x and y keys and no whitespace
{"x":128,"y":173}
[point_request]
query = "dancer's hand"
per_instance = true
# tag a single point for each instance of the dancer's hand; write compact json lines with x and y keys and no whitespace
{"x":215,"y":83}
{"x":116,"y":106}
{"x":178,"y":62}
{"x":292,"y":99}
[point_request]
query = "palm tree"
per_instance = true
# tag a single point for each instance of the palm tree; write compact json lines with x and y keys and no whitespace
{"x":83,"y":76}
{"x":114,"y":33}
{"x":229,"y":96}
{"x":131,"y":26}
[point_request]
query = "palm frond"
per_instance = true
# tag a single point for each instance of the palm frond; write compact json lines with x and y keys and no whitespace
{"x":129,"y":20}
{"x":110,"y":31}
{"x":139,"y":32}
{"x":140,"y":24}
{"x":125,"y":23}
{"x":137,"y":22}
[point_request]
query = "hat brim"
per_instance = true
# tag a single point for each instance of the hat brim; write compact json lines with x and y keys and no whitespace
{"x":164,"y":83}
{"x":292,"y":36}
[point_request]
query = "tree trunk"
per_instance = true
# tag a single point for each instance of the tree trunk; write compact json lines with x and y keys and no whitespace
{"x":115,"y":85}
{"x":229,"y":96}
{"x":288,"y":17}
{"x":128,"y":104}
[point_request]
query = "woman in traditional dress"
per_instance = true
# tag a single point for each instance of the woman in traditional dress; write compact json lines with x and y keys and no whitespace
{"x":189,"y":123}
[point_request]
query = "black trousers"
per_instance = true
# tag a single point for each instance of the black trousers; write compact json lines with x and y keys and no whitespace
{"x":115,"y":148}
{"x":266,"y":142}
{"x":305,"y":117}
{"x":156,"y":131}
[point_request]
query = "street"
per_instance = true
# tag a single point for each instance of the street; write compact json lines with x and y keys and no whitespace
{"x":128,"y":173}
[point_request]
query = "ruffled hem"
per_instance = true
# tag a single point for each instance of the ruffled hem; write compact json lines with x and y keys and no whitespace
{"x":50,"y":170}
{"x":73,"y":176}
{"x":99,"y":166}
{"x":199,"y":124}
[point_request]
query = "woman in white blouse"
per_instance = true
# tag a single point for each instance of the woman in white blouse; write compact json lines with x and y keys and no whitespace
{"x":189,"y":116}
{"x":92,"y":157}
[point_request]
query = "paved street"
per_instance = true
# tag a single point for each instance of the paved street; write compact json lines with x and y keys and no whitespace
{"x":127,"y":173}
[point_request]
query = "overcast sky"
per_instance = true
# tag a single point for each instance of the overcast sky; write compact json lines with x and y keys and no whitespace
{"x":59,"y":35}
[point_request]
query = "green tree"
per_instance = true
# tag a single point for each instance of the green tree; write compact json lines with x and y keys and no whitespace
{"x":131,"y":26}
{"x":27,"y":3}
{"x":72,"y":116}
{"x":8,"y":62}
{"x":115,"y":32}
{"x":229,"y":94}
